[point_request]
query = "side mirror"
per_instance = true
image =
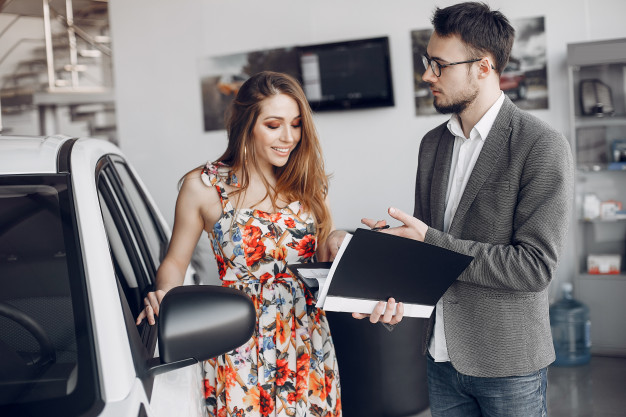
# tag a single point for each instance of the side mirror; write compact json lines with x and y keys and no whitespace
{"x":199,"y":322}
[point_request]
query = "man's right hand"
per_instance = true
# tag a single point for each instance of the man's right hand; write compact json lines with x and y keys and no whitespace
{"x":151,"y":302}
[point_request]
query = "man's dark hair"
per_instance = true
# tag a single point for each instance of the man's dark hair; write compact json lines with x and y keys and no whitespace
{"x":483,"y":30}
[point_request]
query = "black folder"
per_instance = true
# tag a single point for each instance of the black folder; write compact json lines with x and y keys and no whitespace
{"x":375,"y":266}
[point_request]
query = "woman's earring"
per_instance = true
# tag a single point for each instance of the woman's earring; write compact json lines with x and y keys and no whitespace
{"x":245,"y":153}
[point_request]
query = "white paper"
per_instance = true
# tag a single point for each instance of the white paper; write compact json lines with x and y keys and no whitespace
{"x":321,"y":296}
{"x":357,"y":305}
{"x":318,"y":274}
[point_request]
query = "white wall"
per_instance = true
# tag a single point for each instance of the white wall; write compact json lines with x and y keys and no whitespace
{"x":372,"y":154}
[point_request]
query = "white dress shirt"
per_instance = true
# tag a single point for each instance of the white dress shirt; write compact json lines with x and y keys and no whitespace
{"x":464,"y":156}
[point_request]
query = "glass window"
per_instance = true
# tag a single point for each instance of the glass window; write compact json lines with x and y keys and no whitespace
{"x":46,"y":353}
{"x":153,"y":234}
{"x":133,"y":272}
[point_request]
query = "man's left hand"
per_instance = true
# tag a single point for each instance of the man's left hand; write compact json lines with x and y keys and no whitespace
{"x":413,"y":228}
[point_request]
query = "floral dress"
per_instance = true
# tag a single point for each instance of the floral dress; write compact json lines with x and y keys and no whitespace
{"x":288,"y":367}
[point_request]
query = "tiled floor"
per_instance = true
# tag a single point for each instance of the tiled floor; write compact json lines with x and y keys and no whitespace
{"x":594,"y":390}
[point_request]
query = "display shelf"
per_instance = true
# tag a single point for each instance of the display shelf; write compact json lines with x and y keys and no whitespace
{"x":602,"y":221}
{"x":599,"y":167}
{"x":594,"y":121}
{"x":603,"y":277}
{"x":596,"y":145}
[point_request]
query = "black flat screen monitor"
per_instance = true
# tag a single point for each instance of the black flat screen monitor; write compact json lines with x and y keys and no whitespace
{"x":347,"y":75}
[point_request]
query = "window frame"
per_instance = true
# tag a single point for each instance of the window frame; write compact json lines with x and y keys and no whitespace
{"x":109,"y":186}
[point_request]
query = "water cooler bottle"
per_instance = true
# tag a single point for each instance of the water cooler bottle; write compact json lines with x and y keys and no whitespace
{"x":570,"y":324}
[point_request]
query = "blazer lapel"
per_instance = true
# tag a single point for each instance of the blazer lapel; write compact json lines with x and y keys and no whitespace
{"x":492,"y":150}
{"x":440,"y":179}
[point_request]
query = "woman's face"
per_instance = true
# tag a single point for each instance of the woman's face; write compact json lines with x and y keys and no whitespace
{"x":277,"y":131}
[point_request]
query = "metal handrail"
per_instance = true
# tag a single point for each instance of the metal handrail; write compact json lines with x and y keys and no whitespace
{"x":81,"y":33}
{"x":72,"y":31}
{"x":9,"y":25}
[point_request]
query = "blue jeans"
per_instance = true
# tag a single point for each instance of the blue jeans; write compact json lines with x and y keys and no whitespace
{"x":453,"y":394}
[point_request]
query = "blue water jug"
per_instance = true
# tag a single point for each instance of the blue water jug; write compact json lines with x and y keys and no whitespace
{"x":570,"y":324}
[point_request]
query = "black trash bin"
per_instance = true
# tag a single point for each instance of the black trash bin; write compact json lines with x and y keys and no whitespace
{"x":383,"y":373}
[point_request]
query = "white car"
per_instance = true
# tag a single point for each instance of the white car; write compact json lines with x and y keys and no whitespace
{"x":80,"y":243}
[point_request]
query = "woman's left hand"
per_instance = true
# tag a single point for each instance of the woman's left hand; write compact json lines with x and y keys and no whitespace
{"x":332,"y":245}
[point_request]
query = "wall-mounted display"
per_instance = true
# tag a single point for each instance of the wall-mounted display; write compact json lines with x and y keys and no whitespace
{"x":335,"y":76}
{"x":524,"y":79}
{"x":347,"y":75}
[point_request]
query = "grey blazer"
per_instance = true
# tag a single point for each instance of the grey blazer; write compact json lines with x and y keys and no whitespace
{"x":513,"y":218}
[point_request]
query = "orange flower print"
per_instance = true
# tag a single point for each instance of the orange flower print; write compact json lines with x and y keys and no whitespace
{"x":221,"y":412}
{"x":259,"y":400}
{"x":306,"y":247}
{"x":221,"y":265}
{"x":265,"y":277}
{"x":209,"y":389}
{"x":337,"y":410}
{"x":251,"y":399}
{"x":273,"y":217}
{"x":253,"y":247}
{"x":279,"y":253}
{"x":282,"y":331}
{"x":291,"y":397}
{"x":283,"y":373}
{"x":302,"y":377}
{"x":317,"y":386}
{"x":290,"y":223}
{"x":228,"y":375}
{"x":328,"y":379}
{"x":266,"y":402}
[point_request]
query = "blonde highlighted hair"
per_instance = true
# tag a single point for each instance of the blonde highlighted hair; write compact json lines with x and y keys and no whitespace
{"x":303,"y":177}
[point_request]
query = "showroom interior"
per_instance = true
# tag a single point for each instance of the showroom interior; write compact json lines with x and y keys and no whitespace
{"x":135,"y":77}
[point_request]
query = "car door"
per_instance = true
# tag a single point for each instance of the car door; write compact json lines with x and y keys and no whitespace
{"x":138,"y":240}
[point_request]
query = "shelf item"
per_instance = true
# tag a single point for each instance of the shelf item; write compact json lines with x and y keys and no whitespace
{"x":604,"y":264}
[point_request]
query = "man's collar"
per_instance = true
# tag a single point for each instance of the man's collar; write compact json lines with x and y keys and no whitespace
{"x":482,"y":128}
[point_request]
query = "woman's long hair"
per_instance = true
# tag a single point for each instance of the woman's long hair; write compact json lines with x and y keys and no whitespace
{"x":303,"y":177}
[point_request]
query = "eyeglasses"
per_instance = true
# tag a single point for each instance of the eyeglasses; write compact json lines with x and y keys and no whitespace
{"x":436,"y":66}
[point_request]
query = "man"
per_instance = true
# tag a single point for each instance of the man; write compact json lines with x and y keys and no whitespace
{"x":494,"y":182}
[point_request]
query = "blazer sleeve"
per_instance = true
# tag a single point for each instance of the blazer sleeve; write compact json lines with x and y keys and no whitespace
{"x":526,"y":259}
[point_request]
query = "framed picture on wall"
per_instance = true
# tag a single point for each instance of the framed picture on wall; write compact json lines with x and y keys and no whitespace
{"x":524,"y":79}
{"x":222,"y":76}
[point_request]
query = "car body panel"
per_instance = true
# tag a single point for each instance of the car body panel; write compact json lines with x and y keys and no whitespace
{"x":123,"y":392}
{"x":116,"y":366}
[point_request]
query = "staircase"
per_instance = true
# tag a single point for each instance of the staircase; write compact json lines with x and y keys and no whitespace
{"x":56,"y":77}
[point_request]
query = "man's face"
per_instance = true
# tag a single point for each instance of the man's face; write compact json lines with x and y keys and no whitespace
{"x":457,"y":87}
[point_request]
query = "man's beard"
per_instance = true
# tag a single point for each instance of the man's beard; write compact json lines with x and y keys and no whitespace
{"x":457,"y":106}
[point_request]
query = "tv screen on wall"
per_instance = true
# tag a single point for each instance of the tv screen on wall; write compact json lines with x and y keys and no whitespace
{"x":347,"y":75}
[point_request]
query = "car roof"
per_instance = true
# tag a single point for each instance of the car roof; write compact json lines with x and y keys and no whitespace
{"x":39,"y":154}
{"x":29,"y":154}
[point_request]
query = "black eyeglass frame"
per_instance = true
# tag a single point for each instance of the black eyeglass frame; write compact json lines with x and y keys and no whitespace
{"x":429,"y":62}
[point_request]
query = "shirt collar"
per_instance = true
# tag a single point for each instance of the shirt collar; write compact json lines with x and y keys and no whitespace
{"x":482,"y":128}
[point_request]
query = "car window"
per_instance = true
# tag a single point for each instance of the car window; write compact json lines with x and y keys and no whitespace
{"x":46,"y":347}
{"x":153,"y":234}
{"x":134,"y":267}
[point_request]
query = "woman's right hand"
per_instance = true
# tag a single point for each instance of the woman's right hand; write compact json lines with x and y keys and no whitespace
{"x":151,"y":302}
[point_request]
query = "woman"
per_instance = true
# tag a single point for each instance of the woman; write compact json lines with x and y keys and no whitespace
{"x":263,"y":203}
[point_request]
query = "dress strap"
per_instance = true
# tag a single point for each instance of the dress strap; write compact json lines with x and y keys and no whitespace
{"x":217,"y":175}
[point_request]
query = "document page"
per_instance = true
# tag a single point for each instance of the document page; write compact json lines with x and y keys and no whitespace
{"x":321,"y":297}
{"x":318,"y":274}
